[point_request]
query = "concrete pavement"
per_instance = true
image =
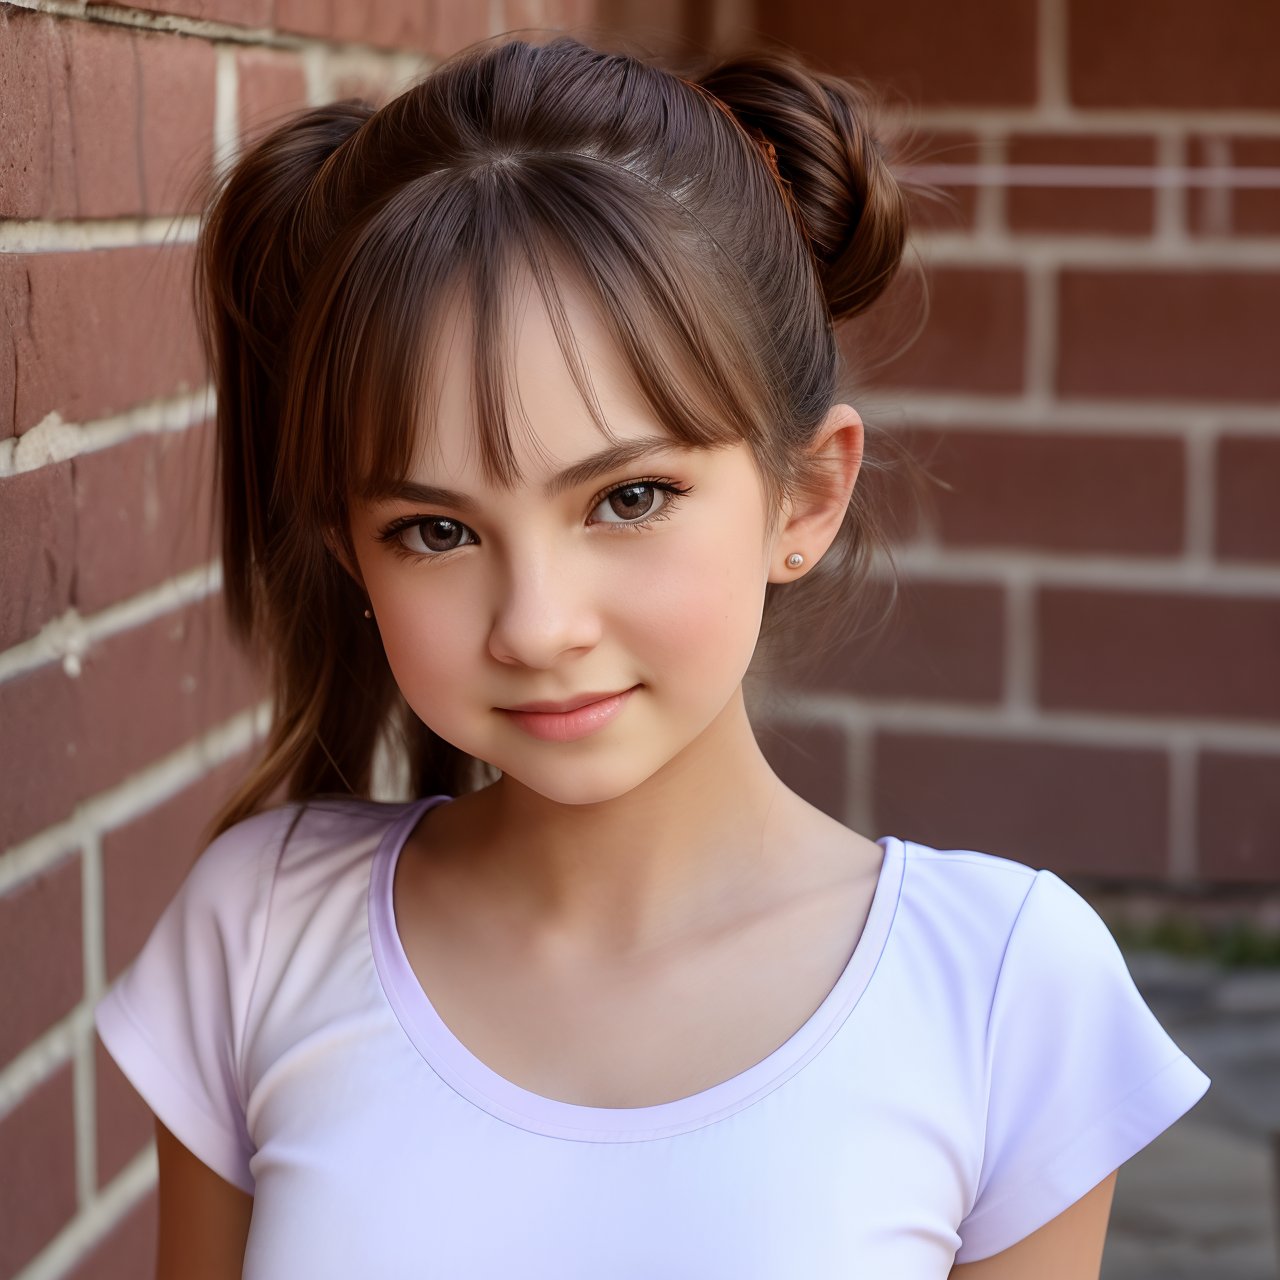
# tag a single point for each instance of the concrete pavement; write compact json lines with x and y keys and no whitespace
{"x":1201,"y":1202}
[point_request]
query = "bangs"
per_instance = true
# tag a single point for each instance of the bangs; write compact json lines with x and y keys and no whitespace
{"x":463,"y":243}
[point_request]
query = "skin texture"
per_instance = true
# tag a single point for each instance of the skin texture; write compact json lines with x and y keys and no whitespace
{"x":204,"y":1220}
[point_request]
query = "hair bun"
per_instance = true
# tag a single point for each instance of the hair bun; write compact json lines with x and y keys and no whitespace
{"x":853,"y":209}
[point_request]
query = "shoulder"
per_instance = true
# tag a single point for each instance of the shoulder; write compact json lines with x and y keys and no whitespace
{"x":996,"y":886}
{"x":1036,"y":947}
{"x":973,"y":894}
{"x":239,"y":868}
{"x":300,"y":828}
{"x":1021,"y":925}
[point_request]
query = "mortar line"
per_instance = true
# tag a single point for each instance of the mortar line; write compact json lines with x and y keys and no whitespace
{"x":69,"y":637}
{"x":133,"y":796}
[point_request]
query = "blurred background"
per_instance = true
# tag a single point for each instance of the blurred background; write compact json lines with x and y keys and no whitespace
{"x":1083,"y":672}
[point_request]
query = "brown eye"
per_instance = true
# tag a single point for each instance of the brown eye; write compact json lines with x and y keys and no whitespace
{"x":431,"y":537}
{"x":631,"y":502}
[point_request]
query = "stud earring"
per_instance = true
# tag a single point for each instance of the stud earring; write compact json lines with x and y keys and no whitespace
{"x":368,"y":613}
{"x":795,"y":560}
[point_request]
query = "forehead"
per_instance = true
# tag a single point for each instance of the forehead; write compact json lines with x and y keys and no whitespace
{"x":550,"y":421}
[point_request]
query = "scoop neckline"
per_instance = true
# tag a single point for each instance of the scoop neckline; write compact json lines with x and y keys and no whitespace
{"x":468,"y":1076}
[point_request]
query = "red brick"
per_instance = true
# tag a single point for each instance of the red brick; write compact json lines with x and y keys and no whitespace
{"x":1238,"y":811}
{"x":1173,"y":53}
{"x":1159,"y":653}
{"x":37,"y":760}
{"x":454,"y":26}
{"x":390,"y":24}
{"x":944,"y":640}
{"x":144,"y":862}
{"x":1083,"y":809}
{"x":125,"y":1122}
{"x":1255,"y":211}
{"x":1076,"y":210}
{"x":97,"y":331}
{"x":972,"y":340}
{"x":810,"y":759}
{"x":128,"y":1250}
{"x":37,"y":541}
{"x":272,"y":85}
{"x":158,"y":686}
{"x":112,"y":122}
{"x":143,"y":513}
{"x":569,"y":15}
{"x":1248,"y":512}
{"x":176,"y":108}
{"x":894,"y":484}
{"x":141,"y":694}
{"x":240,"y":13}
{"x":951,"y":207}
{"x":40,"y":939}
{"x":37,"y":1170}
{"x":1070,"y":492}
{"x":1201,"y":334}
{"x":978,"y":54}
{"x":516,"y":15}
{"x":104,"y":83}
{"x":305,"y":17}
{"x":37,"y":176}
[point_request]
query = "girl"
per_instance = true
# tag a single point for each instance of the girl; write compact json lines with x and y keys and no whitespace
{"x":529,"y":428}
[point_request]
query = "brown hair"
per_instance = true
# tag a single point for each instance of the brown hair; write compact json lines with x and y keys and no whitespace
{"x":722,"y":221}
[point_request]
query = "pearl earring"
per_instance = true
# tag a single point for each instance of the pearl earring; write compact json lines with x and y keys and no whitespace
{"x":368,"y":613}
{"x":795,"y":560}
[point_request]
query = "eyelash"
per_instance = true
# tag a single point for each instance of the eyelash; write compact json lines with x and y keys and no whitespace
{"x":391,"y":533}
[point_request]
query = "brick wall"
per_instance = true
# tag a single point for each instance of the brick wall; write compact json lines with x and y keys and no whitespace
{"x":1084,"y":675}
{"x":1086,"y":671}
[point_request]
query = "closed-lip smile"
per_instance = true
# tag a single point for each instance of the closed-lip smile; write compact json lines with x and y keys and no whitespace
{"x":567,"y":704}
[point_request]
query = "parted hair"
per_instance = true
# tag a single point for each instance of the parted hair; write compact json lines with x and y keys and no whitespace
{"x":724,"y":218}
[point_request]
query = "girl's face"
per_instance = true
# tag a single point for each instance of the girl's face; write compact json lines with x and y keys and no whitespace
{"x":593,"y":576}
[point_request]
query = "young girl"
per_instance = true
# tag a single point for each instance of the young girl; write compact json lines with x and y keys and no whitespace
{"x":529,"y":426}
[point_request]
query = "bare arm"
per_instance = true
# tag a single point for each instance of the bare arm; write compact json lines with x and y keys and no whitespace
{"x":204,"y":1220}
{"x":1068,"y":1247}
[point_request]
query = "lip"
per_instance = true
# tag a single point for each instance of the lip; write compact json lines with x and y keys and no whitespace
{"x":570,"y":719}
{"x":568,"y":704}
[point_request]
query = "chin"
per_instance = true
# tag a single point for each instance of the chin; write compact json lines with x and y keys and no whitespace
{"x":575,"y":783}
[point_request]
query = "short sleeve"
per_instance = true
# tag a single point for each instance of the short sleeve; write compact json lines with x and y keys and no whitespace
{"x":175,"y":1020}
{"x":1080,"y":1073}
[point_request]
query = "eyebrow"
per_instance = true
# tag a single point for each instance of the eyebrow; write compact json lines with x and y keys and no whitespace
{"x":589,"y":468}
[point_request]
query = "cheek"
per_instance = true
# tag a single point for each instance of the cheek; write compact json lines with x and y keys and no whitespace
{"x":699,"y":603}
{"x":424,"y":638}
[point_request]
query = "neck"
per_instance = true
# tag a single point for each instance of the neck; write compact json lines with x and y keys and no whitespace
{"x":649,"y":866}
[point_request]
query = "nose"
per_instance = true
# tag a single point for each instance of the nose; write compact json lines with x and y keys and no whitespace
{"x":544,"y":610}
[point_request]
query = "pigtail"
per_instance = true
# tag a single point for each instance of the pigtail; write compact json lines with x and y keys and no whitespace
{"x":816,"y":130}
{"x":251,"y":260}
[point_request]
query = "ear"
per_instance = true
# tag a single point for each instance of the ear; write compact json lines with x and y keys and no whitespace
{"x":812,"y":516}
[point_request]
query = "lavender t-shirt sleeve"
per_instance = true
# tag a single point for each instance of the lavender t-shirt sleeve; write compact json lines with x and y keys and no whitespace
{"x":1080,"y":1073}
{"x":176,"y":1019}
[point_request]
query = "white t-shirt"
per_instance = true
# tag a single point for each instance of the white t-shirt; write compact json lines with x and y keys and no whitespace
{"x":983,"y":1060}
